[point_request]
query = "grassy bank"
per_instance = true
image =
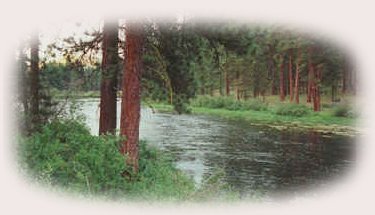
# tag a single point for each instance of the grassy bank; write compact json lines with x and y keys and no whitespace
{"x":64,"y":155}
{"x":62,"y":94}
{"x":336,"y":119}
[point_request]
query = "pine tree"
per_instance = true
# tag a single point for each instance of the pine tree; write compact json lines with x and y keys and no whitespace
{"x":131,"y":93}
{"x":108,"y":88}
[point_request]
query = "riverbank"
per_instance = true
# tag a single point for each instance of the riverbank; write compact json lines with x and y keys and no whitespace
{"x":66,"y":156}
{"x":257,"y":114}
{"x":322,"y":122}
{"x":62,"y":94}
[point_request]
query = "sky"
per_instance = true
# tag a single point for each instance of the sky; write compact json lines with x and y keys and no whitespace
{"x":56,"y":32}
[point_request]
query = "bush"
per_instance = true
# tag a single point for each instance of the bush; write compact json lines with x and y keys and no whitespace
{"x":229,"y":103}
{"x":64,"y":154}
{"x":180,"y":105}
{"x":211,"y":102}
{"x":343,"y":111}
{"x":287,"y":109}
{"x":255,"y":104}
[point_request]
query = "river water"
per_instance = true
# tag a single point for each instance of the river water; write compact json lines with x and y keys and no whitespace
{"x":254,"y":159}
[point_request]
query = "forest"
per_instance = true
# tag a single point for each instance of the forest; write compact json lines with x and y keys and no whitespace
{"x":185,"y":109}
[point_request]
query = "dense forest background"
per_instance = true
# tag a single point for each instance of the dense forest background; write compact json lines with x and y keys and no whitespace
{"x":186,"y":59}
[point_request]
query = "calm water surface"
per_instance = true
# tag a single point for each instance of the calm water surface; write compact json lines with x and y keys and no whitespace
{"x":254,"y":159}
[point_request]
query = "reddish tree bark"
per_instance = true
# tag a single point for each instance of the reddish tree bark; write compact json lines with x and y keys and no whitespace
{"x":310,"y":76}
{"x":296,"y":92}
{"x":290,"y":77}
{"x":34,"y":79}
{"x":108,"y":88}
{"x":131,"y":94}
{"x":282,"y":95}
{"x":316,"y":83}
{"x":314,"y":77}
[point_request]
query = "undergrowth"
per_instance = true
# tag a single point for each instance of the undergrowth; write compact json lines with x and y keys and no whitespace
{"x":65,"y":155}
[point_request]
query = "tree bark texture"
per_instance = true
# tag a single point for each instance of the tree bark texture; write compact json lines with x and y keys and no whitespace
{"x":290,"y":77}
{"x":227,"y":84}
{"x":131,"y":97}
{"x":281,"y":85}
{"x":296,"y":92}
{"x":108,"y":87}
{"x":310,"y":76}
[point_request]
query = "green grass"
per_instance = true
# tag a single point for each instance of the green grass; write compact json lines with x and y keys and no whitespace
{"x":61,"y":94}
{"x":323,"y":118}
{"x":162,"y":107}
{"x":276,"y":114}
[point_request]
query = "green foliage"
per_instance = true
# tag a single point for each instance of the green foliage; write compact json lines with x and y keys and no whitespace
{"x":343,"y":110}
{"x":288,"y":109}
{"x":254,"y":104}
{"x":74,"y":159}
{"x":47,"y":105}
{"x":229,"y":103}
{"x":64,"y":154}
{"x":176,"y":47}
{"x":61,"y":76}
{"x":180,"y":104}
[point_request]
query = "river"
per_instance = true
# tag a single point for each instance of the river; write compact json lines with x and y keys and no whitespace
{"x":255,"y":159}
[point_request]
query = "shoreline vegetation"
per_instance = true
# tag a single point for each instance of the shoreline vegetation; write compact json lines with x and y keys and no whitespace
{"x":258,"y":113}
{"x":64,"y":155}
{"x":325,"y":122}
{"x":321,"y":123}
{"x":91,"y":164}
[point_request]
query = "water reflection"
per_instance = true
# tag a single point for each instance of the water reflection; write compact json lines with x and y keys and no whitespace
{"x":253,"y":158}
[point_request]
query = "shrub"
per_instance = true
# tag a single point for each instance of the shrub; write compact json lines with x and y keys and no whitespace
{"x":287,"y":109}
{"x":343,"y":111}
{"x":64,"y":154}
{"x":235,"y":105}
{"x":229,"y":103}
{"x":211,"y":102}
{"x":255,"y":104}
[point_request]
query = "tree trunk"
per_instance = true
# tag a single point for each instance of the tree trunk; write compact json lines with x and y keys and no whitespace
{"x":317,"y":87}
{"x":23,"y":84}
{"x":221,"y":82}
{"x":310,"y":77}
{"x":296,"y":92}
{"x":108,"y":88}
{"x":344,"y":79}
{"x":217,"y":56}
{"x":274,"y":78}
{"x":333,"y":92}
{"x":290,"y":77}
{"x":238,"y":85}
{"x":227,"y":84}
{"x":131,"y":97}
{"x":34,"y":80}
{"x":282,"y":95}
